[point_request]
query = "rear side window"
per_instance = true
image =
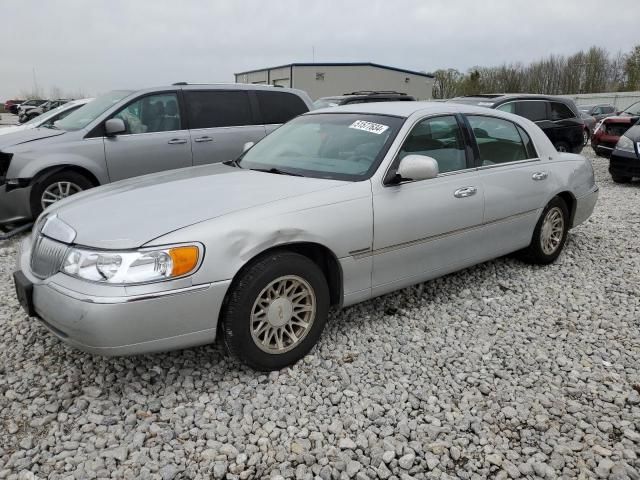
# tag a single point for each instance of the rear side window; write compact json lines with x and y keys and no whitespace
{"x":218,"y":108}
{"x":279,"y":107}
{"x":499,"y":141}
{"x":559,"y":111}
{"x":534,"y":110}
{"x":608,"y":109}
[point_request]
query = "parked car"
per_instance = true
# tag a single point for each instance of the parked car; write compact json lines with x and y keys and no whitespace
{"x":624,"y":163}
{"x":45,"y":120}
{"x":632,"y":110}
{"x":129,"y":133}
{"x":11,"y":106}
{"x":589,"y":126}
{"x":363,"y":96}
{"x":338,"y":206}
{"x":558,"y":117}
{"x":600,"y":111}
{"x":608,"y":132}
{"x":28,"y":105}
{"x":45,"y":107}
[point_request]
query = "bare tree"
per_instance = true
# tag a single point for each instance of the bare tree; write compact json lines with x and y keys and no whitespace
{"x":446,"y":83}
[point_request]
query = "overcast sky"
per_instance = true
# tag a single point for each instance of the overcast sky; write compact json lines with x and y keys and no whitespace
{"x":100,"y":45}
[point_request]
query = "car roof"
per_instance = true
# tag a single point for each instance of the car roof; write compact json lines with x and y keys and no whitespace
{"x":401,"y":109}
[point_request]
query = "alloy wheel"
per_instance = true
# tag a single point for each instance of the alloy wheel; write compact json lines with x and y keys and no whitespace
{"x":552,"y":231}
{"x":57,"y":191}
{"x":283,"y":313}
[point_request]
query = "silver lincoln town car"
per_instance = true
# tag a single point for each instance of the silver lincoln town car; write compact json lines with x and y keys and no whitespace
{"x":335,"y":207}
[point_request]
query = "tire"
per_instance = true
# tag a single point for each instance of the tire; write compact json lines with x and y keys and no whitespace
{"x":77,"y":182}
{"x":536,"y":253}
{"x":257,"y":347}
{"x":620,"y":179}
{"x":585,"y":137}
{"x":562,"y":146}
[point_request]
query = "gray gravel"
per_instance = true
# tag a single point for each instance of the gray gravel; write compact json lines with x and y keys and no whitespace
{"x":503,"y":370}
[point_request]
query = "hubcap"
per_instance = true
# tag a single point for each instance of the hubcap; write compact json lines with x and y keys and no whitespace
{"x":58,"y":191}
{"x":283,"y":314}
{"x":552,"y":231}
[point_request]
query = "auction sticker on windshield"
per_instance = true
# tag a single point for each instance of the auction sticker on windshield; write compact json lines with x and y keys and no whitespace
{"x":370,"y":127}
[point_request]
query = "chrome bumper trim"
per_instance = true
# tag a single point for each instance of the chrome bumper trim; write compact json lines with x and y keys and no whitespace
{"x":128,"y":298}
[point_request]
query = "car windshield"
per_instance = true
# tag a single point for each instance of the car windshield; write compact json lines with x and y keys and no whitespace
{"x":326,"y":102}
{"x":89,"y":112}
{"x":341,"y":146}
{"x":633,"y":109}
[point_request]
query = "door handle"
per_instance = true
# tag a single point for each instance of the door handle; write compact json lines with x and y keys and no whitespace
{"x":176,"y":141}
{"x":539,"y":175}
{"x":203,"y":139}
{"x":465,"y":192}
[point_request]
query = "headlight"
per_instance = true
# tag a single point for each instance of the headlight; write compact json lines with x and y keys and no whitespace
{"x":149,"y":265}
{"x":625,"y":144}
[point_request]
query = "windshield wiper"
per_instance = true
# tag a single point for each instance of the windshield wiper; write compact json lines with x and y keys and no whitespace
{"x":232,"y":163}
{"x":276,"y":171}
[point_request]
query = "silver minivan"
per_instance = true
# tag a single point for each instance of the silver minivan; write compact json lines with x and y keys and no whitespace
{"x":126,"y":133}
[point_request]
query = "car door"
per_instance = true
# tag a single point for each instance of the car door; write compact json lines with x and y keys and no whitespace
{"x":515,"y":181}
{"x":276,"y":107}
{"x":220,"y":122}
{"x":155,"y":139}
{"x":425,"y":228}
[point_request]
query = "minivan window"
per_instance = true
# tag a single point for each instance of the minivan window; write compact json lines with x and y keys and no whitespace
{"x":498,"y":140}
{"x":151,"y":113}
{"x":279,"y":107}
{"x":89,"y":112}
{"x":534,"y":110}
{"x":218,"y":108}
{"x":559,"y":111}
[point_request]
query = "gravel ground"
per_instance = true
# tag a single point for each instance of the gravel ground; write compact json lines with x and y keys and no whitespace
{"x":503,"y":370}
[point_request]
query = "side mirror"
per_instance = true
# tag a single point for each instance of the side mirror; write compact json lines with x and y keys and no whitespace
{"x":114,"y":126}
{"x":247,"y":146}
{"x":417,"y":167}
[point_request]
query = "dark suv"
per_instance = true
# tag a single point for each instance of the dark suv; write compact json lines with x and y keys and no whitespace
{"x":557,"y":117}
{"x":363,"y":96}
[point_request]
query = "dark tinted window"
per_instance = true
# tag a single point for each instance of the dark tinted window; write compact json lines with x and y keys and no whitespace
{"x":498,"y":140}
{"x":528,"y":144}
{"x":218,"y":108}
{"x":559,"y":111}
{"x":534,"y":110}
{"x":279,"y":107}
{"x":439,"y":138}
{"x":608,"y":109}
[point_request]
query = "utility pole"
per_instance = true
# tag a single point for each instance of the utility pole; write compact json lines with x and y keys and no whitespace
{"x":35,"y":82}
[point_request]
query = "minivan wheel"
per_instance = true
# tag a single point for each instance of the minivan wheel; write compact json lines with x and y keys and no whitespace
{"x":550,"y":234}
{"x":55,"y":187}
{"x":562,"y":146}
{"x":275,"y":311}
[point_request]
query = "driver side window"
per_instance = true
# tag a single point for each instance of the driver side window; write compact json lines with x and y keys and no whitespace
{"x":153,"y":113}
{"x":439,"y":138}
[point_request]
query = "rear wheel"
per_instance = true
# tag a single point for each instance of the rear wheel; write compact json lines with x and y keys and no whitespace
{"x":585,"y":136}
{"x":550,"y":234}
{"x":275,"y":311}
{"x":55,"y":187}
{"x":562,"y":146}
{"x":620,"y":179}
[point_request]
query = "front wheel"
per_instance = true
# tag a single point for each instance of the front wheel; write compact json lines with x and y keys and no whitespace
{"x":275,"y":311}
{"x":55,"y":187}
{"x":550,"y":234}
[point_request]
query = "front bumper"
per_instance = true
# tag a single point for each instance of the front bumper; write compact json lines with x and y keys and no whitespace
{"x":108,"y":321}
{"x":15,"y":204}
{"x":624,"y":164}
{"x":585,"y":206}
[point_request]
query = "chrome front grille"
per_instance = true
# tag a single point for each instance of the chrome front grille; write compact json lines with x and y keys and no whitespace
{"x":47,"y":256}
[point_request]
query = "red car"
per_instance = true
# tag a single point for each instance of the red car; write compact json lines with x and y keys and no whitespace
{"x":608,"y":132}
{"x":12,"y":103}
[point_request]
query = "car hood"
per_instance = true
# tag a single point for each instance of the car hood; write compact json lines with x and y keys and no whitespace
{"x":130,"y":213}
{"x":27,"y":135}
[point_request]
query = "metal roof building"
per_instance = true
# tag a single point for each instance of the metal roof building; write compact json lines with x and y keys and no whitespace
{"x":328,"y":79}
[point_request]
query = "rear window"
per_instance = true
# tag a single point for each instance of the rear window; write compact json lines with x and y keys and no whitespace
{"x":217,"y":108}
{"x":534,"y":110}
{"x":279,"y":107}
{"x":559,"y":111}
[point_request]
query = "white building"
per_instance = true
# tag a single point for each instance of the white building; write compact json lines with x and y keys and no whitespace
{"x":328,"y":79}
